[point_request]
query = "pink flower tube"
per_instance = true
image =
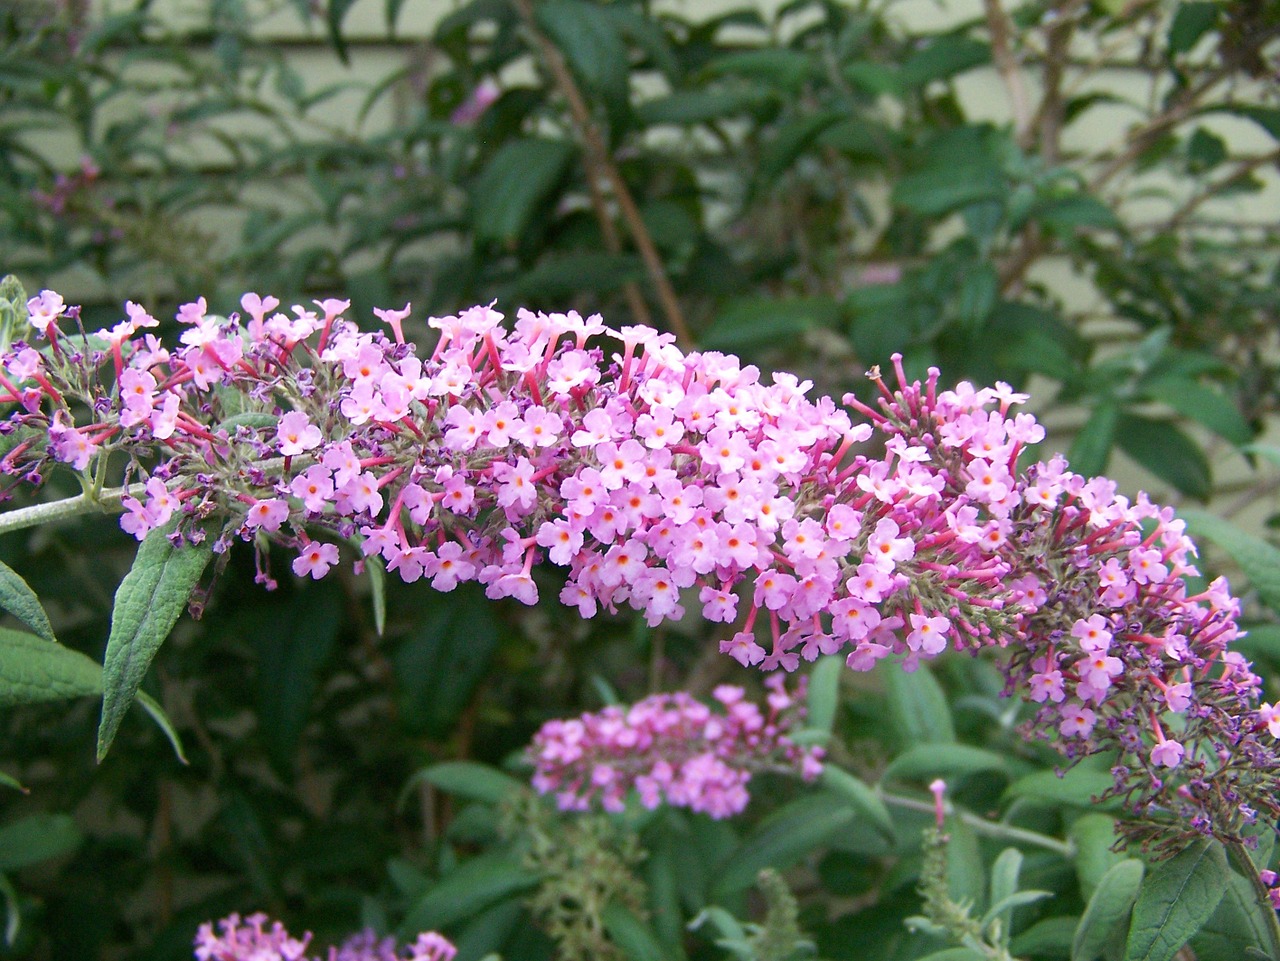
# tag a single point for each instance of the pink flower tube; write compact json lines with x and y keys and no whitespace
{"x":659,"y":481}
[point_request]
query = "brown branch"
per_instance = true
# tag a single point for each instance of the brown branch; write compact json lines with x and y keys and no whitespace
{"x":599,"y":158}
{"x":1144,"y":136}
{"x":1243,"y":169}
{"x":1009,"y":69}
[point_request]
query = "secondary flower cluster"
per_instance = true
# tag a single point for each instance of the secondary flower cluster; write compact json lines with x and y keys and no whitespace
{"x":257,"y":938}
{"x":658,"y":479}
{"x":671,"y":747}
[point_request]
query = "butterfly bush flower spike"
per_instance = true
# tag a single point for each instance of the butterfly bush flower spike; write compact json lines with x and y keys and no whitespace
{"x":673,"y":748}
{"x":672,"y":483}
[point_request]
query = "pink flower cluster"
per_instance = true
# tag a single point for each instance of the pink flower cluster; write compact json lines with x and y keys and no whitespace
{"x":252,"y":939}
{"x":660,"y":480}
{"x":673,"y":748}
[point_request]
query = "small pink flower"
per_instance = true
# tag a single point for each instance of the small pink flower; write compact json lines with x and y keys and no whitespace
{"x":316,"y":559}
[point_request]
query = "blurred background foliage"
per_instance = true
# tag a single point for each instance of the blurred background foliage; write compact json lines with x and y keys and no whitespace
{"x":1076,"y":197}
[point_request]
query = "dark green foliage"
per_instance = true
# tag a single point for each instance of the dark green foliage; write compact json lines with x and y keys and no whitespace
{"x":820,"y":193}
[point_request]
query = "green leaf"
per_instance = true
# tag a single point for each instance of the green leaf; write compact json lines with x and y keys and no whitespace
{"x":792,"y":139}
{"x":37,"y":838}
{"x":1190,"y":23}
{"x":784,"y":838}
{"x":335,"y":13}
{"x":824,"y":693}
{"x":1063,"y":214}
{"x":943,"y":58}
{"x":1079,"y":787}
{"x":518,"y":180}
{"x":377,"y":571}
{"x":1179,"y":896}
{"x":785,"y":69}
{"x":864,"y":800}
{"x":1203,"y":404}
{"x":1108,"y":909}
{"x":1003,"y":909}
{"x":977,"y":295}
{"x":20,"y":600}
{"x":152,"y":707}
{"x":1239,"y":923}
{"x":589,"y":271}
{"x":1050,"y":938}
{"x":1167,"y":452}
{"x":439,"y":667}
{"x":633,"y":937}
{"x":471,"y":887}
{"x":33,"y":670}
{"x":292,"y":642}
{"x":8,"y":780}
{"x":589,"y":40}
{"x":148,"y":603}
{"x":954,"y":954}
{"x":753,"y":322}
{"x":936,"y":191}
{"x":1004,"y":884}
{"x":690,"y":107}
{"x":468,"y":779}
{"x":13,"y":911}
{"x":1259,"y":560}
{"x":925,"y":762}
{"x":966,"y":878}
{"x":1092,"y":445}
{"x":1093,"y":835}
{"x":917,"y":706}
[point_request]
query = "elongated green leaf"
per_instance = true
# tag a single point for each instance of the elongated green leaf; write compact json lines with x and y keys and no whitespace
{"x":589,"y":40}
{"x":377,"y":572}
{"x":824,"y":693}
{"x":1108,"y":909}
{"x":1093,"y":835}
{"x":33,"y":670}
{"x":515,"y":183}
{"x":634,"y":937}
{"x":1258,"y":559}
{"x":1092,"y":445}
{"x":862,"y":798}
{"x":918,"y":707}
{"x":1203,"y":404}
{"x":1192,"y":21}
{"x":784,"y":838}
{"x":148,"y":603}
{"x":754,"y":321}
{"x":473,"y":886}
{"x":8,"y":780}
{"x":1079,"y":786}
{"x":335,"y":13}
{"x":153,"y":708}
{"x":966,"y":876}
{"x":13,"y":913}
{"x":292,"y":642}
{"x":1179,"y":896}
{"x":936,"y":191}
{"x":791,"y":140}
{"x":925,"y":762}
{"x":689,"y":107}
{"x":782,"y":68}
{"x":1167,"y":452}
{"x":469,"y":779}
{"x":954,"y":954}
{"x":20,"y":600}
{"x":37,"y":838}
{"x":1004,"y":885}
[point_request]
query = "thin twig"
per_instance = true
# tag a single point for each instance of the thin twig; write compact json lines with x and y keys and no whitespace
{"x":1009,"y":69}
{"x":600,"y":159}
{"x":981,"y":825}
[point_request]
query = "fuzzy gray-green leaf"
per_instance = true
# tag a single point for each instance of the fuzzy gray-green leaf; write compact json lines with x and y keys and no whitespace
{"x":148,"y":603}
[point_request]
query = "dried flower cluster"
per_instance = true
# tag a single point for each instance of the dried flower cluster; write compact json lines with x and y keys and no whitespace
{"x":656,"y":478}
{"x":672,"y":748}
